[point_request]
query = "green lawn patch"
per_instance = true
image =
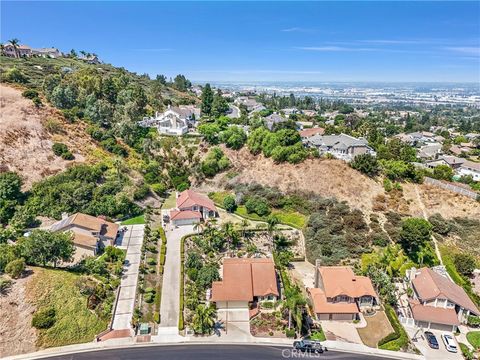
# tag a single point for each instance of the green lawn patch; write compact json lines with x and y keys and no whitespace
{"x":473,"y":338}
{"x":291,"y":218}
{"x":140,"y":219}
{"x":74,"y":322}
{"x":170,"y":202}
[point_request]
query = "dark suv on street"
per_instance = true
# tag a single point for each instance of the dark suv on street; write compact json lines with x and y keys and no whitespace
{"x":309,"y":346}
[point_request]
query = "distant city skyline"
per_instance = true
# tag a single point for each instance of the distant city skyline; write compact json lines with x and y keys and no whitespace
{"x":265,"y":41}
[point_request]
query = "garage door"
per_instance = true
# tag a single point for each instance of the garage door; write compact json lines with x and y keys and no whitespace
{"x":441,"y":327}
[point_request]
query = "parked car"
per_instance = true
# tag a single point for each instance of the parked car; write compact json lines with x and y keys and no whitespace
{"x":309,"y":346}
{"x":449,"y":342}
{"x":431,"y":339}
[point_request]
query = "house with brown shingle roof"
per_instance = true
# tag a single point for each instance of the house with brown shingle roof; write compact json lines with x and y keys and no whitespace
{"x":192,"y":207}
{"x":437,"y":302}
{"x":90,"y":233}
{"x":244,"y":281}
{"x":339,"y":294}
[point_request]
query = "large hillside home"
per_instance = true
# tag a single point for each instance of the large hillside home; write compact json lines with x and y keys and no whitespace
{"x":245,"y":281}
{"x":173,"y":121}
{"x":52,"y":53}
{"x":191,"y":208}
{"x":90,"y":233}
{"x":339,"y":294}
{"x":20,"y":51}
{"x":341,"y":146}
{"x":437,"y":302}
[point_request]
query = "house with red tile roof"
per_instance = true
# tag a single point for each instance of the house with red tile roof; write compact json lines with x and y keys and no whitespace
{"x":339,"y":294}
{"x":191,"y":208}
{"x":90,"y":233}
{"x":437,"y":302}
{"x":245,"y":281}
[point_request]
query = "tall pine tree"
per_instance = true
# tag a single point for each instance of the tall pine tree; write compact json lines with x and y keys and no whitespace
{"x":207,"y":100}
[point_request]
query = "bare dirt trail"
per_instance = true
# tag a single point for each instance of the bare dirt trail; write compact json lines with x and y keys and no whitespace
{"x":425,"y":216}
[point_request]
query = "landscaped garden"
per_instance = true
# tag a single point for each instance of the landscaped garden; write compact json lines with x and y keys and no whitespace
{"x":151,"y":271}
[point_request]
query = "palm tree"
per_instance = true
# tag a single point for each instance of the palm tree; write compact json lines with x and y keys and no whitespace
{"x":198,"y":227}
{"x":2,"y":48}
{"x":244,"y":225}
{"x":84,"y":53}
{"x":229,"y":233}
{"x":15,"y":42}
{"x":272,"y":223}
{"x":203,"y":319}
{"x":295,"y":303}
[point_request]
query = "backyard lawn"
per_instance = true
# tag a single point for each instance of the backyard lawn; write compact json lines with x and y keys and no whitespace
{"x":473,"y":338}
{"x":291,"y":218}
{"x":170,"y":202}
{"x":74,"y":322}
{"x":140,"y":219}
{"x":377,"y":328}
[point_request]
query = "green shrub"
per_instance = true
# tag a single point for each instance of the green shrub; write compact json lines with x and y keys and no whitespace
{"x":15,"y":268}
{"x":290,"y":333}
{"x":150,"y":290}
{"x":44,"y":318}
{"x":466,"y":352}
{"x":30,"y":94}
{"x":156,"y":317}
{"x":473,"y":320}
{"x":229,"y":203}
{"x":398,"y":339}
{"x":59,"y":148}
{"x":148,"y":297}
{"x":151,"y":261}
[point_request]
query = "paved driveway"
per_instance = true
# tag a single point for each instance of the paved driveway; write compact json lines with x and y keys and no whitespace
{"x":170,"y":305}
{"x":132,"y":241}
{"x":341,"y":331}
{"x":236,"y":324}
{"x":427,"y":351}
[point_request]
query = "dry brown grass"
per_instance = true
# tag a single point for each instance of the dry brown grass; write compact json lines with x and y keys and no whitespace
{"x":444,"y":202}
{"x":377,"y":328}
{"x":25,"y":142}
{"x":17,"y":336}
{"x":328,"y":178}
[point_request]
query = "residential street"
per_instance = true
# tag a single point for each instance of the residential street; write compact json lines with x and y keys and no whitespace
{"x":131,"y":241}
{"x":208,"y":352}
{"x":170,"y":306}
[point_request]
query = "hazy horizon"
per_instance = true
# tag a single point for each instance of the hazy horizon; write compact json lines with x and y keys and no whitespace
{"x":263,"y":41}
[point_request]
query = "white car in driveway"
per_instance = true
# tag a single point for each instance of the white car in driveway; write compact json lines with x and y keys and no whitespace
{"x":449,"y":342}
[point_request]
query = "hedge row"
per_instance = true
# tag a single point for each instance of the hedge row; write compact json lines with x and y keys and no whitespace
{"x":181,"y":324}
{"x":398,"y":339}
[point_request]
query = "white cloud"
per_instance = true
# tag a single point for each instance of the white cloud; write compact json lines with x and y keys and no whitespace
{"x":466,"y":50}
{"x":334,"y":48}
{"x":297,"y":29}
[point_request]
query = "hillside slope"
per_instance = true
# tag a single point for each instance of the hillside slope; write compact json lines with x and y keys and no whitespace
{"x":329,"y":178}
{"x":25,"y":143}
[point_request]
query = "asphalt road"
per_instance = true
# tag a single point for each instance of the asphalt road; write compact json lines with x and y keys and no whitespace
{"x":208,"y":352}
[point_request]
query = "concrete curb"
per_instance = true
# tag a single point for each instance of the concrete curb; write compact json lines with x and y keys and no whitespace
{"x":88,"y":347}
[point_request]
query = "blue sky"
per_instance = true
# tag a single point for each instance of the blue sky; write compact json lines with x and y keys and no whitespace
{"x":268,"y":41}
